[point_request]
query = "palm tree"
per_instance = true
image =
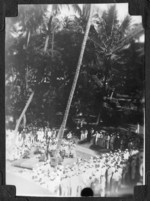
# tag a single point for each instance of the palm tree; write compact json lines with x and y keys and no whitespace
{"x":24,"y":111}
{"x":77,"y":23}
{"x":110,"y":39}
{"x":30,"y":19}
{"x":54,"y":23}
{"x":63,"y":125}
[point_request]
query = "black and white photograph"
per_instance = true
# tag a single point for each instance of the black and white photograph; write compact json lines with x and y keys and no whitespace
{"x":74,"y":100}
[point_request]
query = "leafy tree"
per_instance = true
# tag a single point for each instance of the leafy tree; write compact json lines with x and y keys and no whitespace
{"x":27,"y":24}
{"x":49,"y":74}
{"x":53,"y":24}
{"x":110,"y":38}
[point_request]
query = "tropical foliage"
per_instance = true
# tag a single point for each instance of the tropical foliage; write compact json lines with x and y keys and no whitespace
{"x":43,"y":55}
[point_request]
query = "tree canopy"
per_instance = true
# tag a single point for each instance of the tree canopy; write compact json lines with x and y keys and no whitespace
{"x":43,"y":54}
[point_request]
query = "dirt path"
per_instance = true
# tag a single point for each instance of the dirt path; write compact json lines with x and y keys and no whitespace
{"x":86,"y":150}
{"x":25,"y":186}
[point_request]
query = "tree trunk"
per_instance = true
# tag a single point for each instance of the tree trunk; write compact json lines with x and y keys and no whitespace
{"x":23,"y":113}
{"x":63,"y":125}
{"x":28,"y":37}
{"x":48,"y":33}
{"x":98,"y":118}
{"x":46,"y":43}
{"x":111,"y":95}
{"x":24,"y":121}
{"x":53,"y":33}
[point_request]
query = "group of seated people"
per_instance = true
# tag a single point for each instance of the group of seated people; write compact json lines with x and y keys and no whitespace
{"x":44,"y":141}
{"x":67,"y":149}
{"x":104,"y":174}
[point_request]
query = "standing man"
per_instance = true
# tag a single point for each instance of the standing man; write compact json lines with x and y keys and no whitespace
{"x":122,"y":144}
{"x":107,"y":141}
{"x":82,"y":135}
{"x":117,"y":142}
{"x":133,"y":167}
{"x":111,"y":142}
{"x":89,"y":136}
{"x":116,"y":180}
{"x":74,"y":185}
{"x":23,"y":135}
{"x":110,"y":171}
{"x":97,"y":137}
{"x":103,"y":180}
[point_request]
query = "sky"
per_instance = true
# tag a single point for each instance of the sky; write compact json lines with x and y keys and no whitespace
{"x":122,"y":9}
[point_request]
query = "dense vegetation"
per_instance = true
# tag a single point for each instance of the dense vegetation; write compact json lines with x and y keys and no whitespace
{"x":42,"y":51}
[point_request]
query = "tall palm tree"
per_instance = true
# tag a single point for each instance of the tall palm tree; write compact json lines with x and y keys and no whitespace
{"x":110,"y":38}
{"x":30,"y":19}
{"x":63,"y":125}
{"x":78,"y":22}
{"x":53,"y":23}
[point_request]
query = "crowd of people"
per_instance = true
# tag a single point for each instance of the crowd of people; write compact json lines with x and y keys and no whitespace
{"x":104,"y":174}
{"x":14,"y":152}
{"x":45,"y":142}
{"x":113,"y":140}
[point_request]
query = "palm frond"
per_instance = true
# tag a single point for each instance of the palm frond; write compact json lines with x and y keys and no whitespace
{"x":76,"y":9}
{"x":110,"y":18}
{"x":140,"y":51}
{"x":97,"y":81}
{"x":96,"y":43}
{"x":86,"y":11}
{"x":136,"y":32}
{"x":125,"y":25}
{"x":56,"y":9}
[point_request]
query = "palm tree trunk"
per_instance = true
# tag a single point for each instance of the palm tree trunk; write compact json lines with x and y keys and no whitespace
{"x":98,"y":118}
{"x":23,"y":113}
{"x":111,"y":95}
{"x":46,"y":43}
{"x":53,"y":34}
{"x":48,"y":33}
{"x":26,"y":77}
{"x":28,"y":37}
{"x":24,"y":121}
{"x":63,"y":125}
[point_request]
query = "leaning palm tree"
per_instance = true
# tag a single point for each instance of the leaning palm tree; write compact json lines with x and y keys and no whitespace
{"x":29,"y":21}
{"x":63,"y":125}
